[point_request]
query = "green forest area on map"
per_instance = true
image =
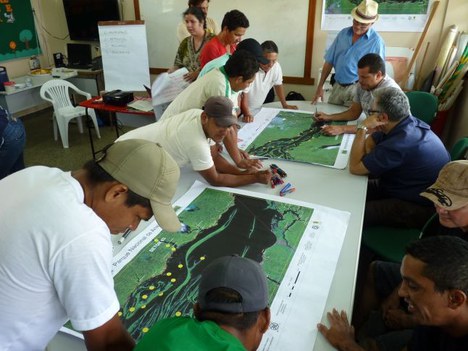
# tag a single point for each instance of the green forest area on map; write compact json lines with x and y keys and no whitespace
{"x":386,"y":7}
{"x":296,"y":136}
{"x":162,"y":280}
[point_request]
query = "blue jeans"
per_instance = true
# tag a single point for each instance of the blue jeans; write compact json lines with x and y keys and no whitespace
{"x":11,"y":150}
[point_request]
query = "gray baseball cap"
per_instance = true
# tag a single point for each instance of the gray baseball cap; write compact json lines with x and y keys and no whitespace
{"x":237,"y":273}
{"x":220,"y":108}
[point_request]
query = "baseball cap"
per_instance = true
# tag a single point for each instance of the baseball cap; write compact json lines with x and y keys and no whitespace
{"x":366,"y":12}
{"x":450,"y":190}
{"x":255,"y":48}
{"x":148,"y":171}
{"x":241,"y":274}
{"x":220,"y":108}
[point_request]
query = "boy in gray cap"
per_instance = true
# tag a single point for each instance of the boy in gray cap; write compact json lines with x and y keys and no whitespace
{"x":232,"y":311}
{"x":190,"y":137}
{"x":55,"y":247}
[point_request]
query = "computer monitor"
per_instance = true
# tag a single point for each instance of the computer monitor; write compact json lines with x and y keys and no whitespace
{"x":79,"y":56}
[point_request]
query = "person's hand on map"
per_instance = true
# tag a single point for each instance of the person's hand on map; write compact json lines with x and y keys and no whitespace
{"x":329,"y":129}
{"x":289,"y":107}
{"x":247,"y":118}
{"x":340,"y":334}
{"x":249,"y":163}
{"x":264,"y":176}
{"x":322,"y":116}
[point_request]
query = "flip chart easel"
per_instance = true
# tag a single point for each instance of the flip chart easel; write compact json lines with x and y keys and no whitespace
{"x":124,"y":55}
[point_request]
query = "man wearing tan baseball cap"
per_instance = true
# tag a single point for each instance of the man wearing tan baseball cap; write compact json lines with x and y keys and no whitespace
{"x":450,"y":195}
{"x":349,"y":46}
{"x":55,"y":244}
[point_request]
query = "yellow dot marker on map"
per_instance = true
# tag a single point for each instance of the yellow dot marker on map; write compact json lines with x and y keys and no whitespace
{"x":144,"y":297}
{"x":161,"y":294}
{"x":143,"y":307}
{"x":173,"y":249}
{"x":202,"y":258}
{"x":168,"y":274}
{"x":152,"y":287}
{"x":178,"y":314}
{"x":173,"y":280}
{"x":145,"y":330}
{"x":132,"y":309}
{"x":180,"y":266}
{"x":120,"y":314}
{"x":156,"y":240}
{"x":168,"y":245}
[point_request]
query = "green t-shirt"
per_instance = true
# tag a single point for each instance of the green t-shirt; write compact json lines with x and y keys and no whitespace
{"x":184,"y":333}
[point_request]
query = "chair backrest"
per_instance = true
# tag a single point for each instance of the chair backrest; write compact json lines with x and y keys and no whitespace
{"x":423,"y":105}
{"x":57,"y":92}
{"x":460,"y":150}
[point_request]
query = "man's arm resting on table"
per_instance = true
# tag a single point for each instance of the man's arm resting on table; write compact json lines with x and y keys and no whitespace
{"x":279,"y":90}
{"x":215,"y":178}
{"x":326,"y":69}
{"x":109,"y":336}
{"x":361,"y":147}
{"x":351,"y":114}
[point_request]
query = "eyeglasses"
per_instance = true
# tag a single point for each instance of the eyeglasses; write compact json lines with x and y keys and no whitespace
{"x":373,"y":112}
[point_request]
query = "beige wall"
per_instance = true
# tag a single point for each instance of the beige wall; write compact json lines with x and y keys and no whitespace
{"x":52,"y":19}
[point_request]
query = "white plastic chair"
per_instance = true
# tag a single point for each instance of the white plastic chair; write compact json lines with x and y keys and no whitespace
{"x":57,"y":92}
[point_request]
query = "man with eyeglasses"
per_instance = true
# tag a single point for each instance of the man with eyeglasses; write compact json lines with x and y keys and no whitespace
{"x":403,"y":156}
{"x":348,"y":47}
{"x":55,"y":244}
{"x":371,"y":70}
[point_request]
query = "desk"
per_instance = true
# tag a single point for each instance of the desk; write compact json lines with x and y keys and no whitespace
{"x":335,"y":188}
{"x":113,"y":110}
{"x":21,"y":102}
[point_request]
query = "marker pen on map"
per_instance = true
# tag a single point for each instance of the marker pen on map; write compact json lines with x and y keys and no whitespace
{"x":124,"y":236}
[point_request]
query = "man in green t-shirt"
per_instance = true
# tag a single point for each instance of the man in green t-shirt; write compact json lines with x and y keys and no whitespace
{"x":231,"y":314}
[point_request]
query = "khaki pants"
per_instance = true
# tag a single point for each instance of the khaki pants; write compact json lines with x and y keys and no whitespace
{"x":342,"y":95}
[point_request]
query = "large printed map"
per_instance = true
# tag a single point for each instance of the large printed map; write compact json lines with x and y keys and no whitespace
{"x":294,"y":136}
{"x":158,"y":273}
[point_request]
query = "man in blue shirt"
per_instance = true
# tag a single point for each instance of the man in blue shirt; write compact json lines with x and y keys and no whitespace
{"x":349,"y":46}
{"x":404,"y":156}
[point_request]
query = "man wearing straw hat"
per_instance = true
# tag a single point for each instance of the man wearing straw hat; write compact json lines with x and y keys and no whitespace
{"x":349,"y":46}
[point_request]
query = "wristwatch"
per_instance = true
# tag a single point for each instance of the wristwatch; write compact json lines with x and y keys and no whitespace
{"x":363,"y":127}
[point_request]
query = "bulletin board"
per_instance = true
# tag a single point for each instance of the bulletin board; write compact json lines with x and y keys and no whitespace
{"x":18,"y":36}
{"x":291,"y":27}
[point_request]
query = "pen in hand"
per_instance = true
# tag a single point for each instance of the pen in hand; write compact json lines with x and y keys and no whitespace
{"x":124,"y":236}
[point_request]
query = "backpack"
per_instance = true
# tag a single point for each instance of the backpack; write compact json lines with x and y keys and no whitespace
{"x":294,"y":95}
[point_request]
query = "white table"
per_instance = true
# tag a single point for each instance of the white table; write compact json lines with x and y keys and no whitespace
{"x":321,"y":185}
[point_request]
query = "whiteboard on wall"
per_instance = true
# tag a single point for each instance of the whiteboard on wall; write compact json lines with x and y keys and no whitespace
{"x":124,"y":52}
{"x":277,"y":20}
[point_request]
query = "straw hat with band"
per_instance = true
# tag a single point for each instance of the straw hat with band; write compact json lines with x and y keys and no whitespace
{"x":148,"y":171}
{"x":366,"y":12}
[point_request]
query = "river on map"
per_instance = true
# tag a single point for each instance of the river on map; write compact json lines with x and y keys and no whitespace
{"x":244,"y":229}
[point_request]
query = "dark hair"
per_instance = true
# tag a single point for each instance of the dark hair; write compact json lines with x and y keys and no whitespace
{"x":269,"y":46}
{"x":393,"y":102}
{"x":97,"y":175}
{"x":195,"y":2}
{"x":242,"y":63}
{"x":239,"y":321}
{"x":234,"y":19}
{"x":446,"y":259}
{"x":195,"y":11}
{"x":374,"y":62}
